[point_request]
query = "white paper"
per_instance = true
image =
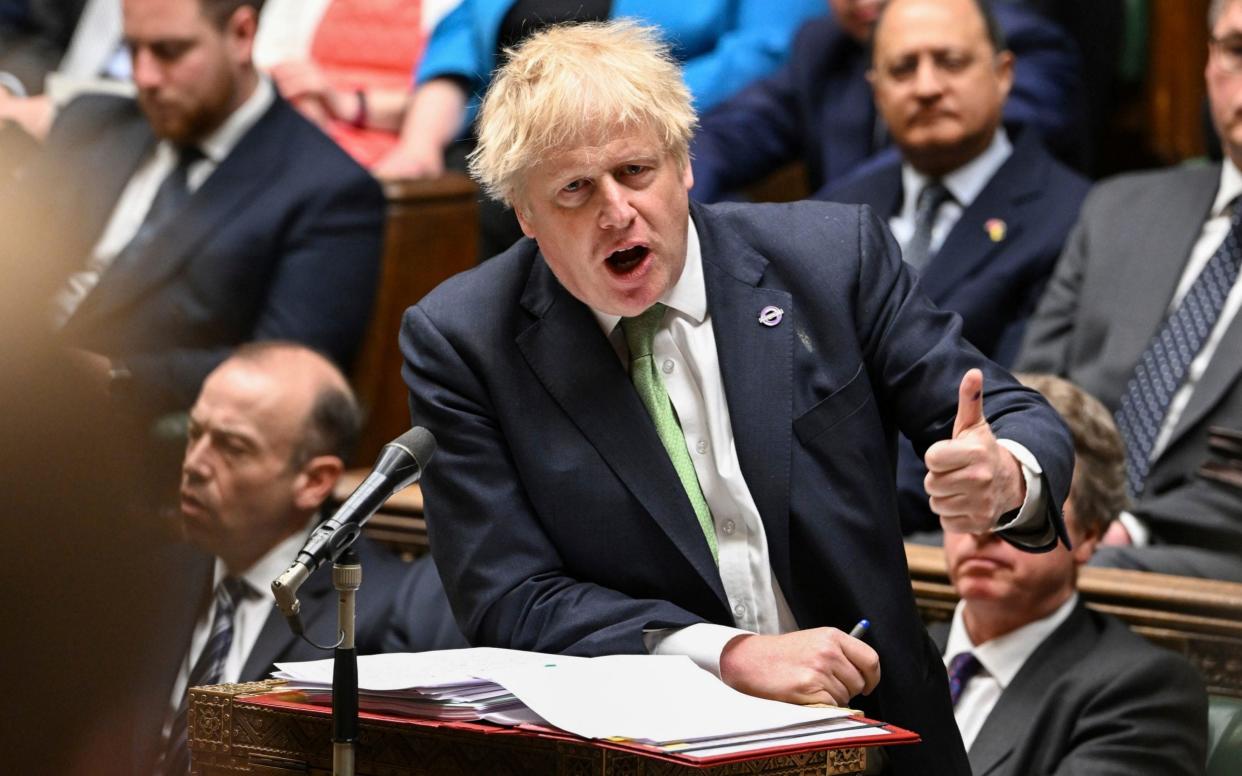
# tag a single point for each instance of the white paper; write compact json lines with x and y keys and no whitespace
{"x":646,"y":698}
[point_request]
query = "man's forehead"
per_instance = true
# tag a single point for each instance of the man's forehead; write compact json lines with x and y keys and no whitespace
{"x":601,"y":152}
{"x":930,"y":23}
{"x":1230,"y":21}
{"x":249,"y":403}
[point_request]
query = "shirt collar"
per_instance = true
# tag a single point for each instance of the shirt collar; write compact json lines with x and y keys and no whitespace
{"x":260,"y":575}
{"x":1003,"y":657}
{"x":220,"y":143}
{"x":1230,"y":187}
{"x":966,"y":181}
{"x":688,"y":295}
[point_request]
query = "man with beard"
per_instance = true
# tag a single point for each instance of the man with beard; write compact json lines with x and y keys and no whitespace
{"x":205,"y":214}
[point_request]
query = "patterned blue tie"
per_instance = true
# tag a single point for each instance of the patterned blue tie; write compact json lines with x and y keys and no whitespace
{"x":207,"y":670}
{"x":1163,"y":365}
{"x":962,"y":668}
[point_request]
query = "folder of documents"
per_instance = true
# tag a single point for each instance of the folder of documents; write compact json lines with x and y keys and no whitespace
{"x":662,"y":705}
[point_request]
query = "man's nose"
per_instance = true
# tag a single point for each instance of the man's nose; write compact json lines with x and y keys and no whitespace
{"x":928,"y":80}
{"x":195,"y":466}
{"x":616,"y":211}
{"x":147,"y":72}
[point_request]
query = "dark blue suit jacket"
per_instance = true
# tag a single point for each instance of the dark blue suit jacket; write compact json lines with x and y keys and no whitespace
{"x":558,"y":521}
{"x":818,"y":107}
{"x":282,"y":241}
{"x":401,"y":607}
{"x":993,"y":285}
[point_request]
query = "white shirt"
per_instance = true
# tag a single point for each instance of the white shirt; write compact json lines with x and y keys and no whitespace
{"x":248,"y":619}
{"x":965,"y":183}
{"x":685,"y":351}
{"x":1210,"y":238}
{"x":130,"y":210}
{"x":1001,"y":658}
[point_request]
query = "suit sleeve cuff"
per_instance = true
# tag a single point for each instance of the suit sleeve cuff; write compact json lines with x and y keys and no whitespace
{"x":702,"y":643}
{"x":1032,"y":524}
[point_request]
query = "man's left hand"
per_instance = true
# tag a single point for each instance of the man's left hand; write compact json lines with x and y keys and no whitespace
{"x":971,"y":480}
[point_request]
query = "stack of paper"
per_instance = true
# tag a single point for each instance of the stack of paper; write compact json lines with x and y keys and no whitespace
{"x":664,"y":702}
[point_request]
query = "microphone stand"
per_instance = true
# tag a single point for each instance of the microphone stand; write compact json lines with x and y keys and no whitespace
{"x":346,"y":578}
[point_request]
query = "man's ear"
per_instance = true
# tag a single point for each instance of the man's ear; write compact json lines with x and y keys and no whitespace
{"x":1085,"y":544}
{"x":315,"y":481}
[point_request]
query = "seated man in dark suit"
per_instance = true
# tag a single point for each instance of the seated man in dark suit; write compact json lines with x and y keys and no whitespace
{"x":818,"y":109}
{"x":669,"y":428}
{"x":266,"y":444}
{"x":981,"y":220}
{"x":1141,"y":312}
{"x":1042,"y":684}
{"x":205,"y":214}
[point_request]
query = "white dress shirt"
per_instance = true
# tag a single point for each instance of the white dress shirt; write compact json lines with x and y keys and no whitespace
{"x":684,"y":350}
{"x":131,"y":209}
{"x":248,"y":620}
{"x":965,"y":183}
{"x":1001,"y":658}
{"x":1210,"y":238}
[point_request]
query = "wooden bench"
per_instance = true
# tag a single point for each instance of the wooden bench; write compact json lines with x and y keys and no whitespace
{"x":431,"y":234}
{"x":1199,"y":618}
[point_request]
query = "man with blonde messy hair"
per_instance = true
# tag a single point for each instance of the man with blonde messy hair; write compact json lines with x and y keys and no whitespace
{"x":552,"y":102}
{"x":731,"y":498}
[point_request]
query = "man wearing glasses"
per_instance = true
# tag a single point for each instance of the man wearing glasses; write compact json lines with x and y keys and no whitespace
{"x":1142,"y":313}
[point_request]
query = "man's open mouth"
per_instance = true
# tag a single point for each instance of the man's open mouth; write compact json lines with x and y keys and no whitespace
{"x":626,"y":260}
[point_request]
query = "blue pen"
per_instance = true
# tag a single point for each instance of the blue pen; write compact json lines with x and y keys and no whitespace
{"x":860,"y":629}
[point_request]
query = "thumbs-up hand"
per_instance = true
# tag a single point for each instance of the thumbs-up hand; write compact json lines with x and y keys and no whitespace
{"x":971,"y":479}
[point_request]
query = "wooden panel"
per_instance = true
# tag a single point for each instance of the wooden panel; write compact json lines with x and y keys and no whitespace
{"x":1200,"y":618}
{"x":229,"y":734}
{"x":431,"y":235}
{"x":1175,"y":90}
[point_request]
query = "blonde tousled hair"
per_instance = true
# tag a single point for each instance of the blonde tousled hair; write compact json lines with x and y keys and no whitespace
{"x":573,"y":84}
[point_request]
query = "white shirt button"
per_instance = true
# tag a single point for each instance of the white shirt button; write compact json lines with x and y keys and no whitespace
{"x":668,"y":366}
{"x":701,"y":446}
{"x":739,"y":610}
{"x":728,"y":527}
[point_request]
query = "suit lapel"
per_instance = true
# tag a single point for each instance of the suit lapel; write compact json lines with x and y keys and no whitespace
{"x":1162,"y":240}
{"x":578,"y":367}
{"x":1222,"y":371}
{"x":249,"y":169}
{"x":755,"y":364}
{"x":275,"y":639}
{"x":1058,"y":653}
{"x":970,"y":244}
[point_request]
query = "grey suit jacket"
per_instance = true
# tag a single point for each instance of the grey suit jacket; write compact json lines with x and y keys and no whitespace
{"x":1095,"y":699}
{"x":1108,"y":295}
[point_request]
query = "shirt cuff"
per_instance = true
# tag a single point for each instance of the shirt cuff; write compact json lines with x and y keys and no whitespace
{"x":1140,"y":534}
{"x":1033,"y":516}
{"x":702,"y":643}
{"x":12,"y":84}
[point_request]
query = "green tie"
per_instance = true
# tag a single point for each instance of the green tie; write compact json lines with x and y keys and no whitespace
{"x":639,"y":333}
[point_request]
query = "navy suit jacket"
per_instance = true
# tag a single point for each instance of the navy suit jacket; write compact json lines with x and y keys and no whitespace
{"x":282,"y":241}
{"x":1094,"y":698}
{"x":818,"y":107}
{"x":387,"y":619}
{"x":993,"y":284}
{"x":558,"y":521}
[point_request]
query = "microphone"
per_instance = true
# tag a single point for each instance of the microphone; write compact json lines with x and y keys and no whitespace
{"x":399,"y":465}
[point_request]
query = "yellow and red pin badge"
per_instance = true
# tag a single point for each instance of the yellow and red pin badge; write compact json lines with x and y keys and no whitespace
{"x":995,"y":228}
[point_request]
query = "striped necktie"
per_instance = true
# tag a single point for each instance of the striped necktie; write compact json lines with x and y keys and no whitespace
{"x":639,"y":335}
{"x":207,"y":670}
